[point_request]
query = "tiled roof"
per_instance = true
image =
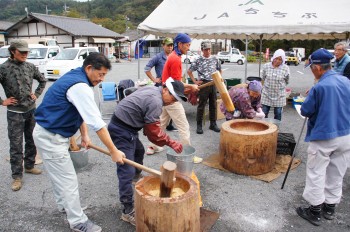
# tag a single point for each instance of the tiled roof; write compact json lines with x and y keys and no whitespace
{"x":76,"y":26}
{"x":5,"y":24}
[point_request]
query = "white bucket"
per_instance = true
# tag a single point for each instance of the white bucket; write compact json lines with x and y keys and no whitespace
{"x":79,"y":158}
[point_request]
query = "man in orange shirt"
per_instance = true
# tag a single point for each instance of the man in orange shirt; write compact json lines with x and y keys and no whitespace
{"x":175,"y":111}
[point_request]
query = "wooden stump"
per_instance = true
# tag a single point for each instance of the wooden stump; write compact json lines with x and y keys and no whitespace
{"x":180,"y":212}
{"x":247,"y":146}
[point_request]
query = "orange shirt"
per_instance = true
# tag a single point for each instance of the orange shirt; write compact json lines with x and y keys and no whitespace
{"x":172,"y":68}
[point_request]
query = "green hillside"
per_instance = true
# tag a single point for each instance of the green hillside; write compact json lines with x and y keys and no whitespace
{"x":115,"y":15}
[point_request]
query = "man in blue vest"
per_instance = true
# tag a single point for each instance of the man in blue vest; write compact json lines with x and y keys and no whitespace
{"x":342,"y":59}
{"x":69,"y":106}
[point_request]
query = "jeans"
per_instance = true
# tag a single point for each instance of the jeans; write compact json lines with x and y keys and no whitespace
{"x":277,"y":111}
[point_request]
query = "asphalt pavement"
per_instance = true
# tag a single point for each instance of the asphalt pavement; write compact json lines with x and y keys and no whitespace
{"x":244,"y":203}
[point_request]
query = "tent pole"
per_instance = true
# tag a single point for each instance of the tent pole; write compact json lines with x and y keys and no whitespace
{"x":261,"y":36}
{"x":138,"y":54}
{"x":246,"y":58}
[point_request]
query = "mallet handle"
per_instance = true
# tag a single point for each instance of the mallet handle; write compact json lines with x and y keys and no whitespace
{"x":130,"y":162}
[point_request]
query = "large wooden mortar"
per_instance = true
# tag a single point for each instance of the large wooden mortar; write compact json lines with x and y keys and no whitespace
{"x":180,"y":212}
{"x":247,"y":146}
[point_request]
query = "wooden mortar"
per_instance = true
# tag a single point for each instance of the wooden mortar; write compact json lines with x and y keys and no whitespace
{"x":179,"y":212}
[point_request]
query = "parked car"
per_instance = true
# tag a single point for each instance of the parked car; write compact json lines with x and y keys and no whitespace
{"x":234,"y":56}
{"x":4,"y":53}
{"x":68,"y":59}
{"x":40,"y":55}
{"x":189,"y":58}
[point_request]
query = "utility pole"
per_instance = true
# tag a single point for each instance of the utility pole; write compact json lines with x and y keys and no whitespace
{"x":47,"y":10}
{"x":65,"y":9}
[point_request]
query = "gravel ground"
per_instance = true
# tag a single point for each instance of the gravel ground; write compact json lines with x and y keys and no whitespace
{"x":244,"y":203}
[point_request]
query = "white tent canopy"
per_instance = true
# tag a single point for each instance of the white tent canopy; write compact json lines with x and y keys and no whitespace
{"x":236,"y":19}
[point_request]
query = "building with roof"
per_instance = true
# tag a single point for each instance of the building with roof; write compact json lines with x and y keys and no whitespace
{"x":3,"y":26}
{"x":68,"y":32}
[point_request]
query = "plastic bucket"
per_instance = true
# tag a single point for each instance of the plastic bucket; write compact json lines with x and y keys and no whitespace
{"x":184,"y":160}
{"x":79,"y":158}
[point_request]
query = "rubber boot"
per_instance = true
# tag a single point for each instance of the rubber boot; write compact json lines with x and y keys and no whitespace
{"x":214,"y":127}
{"x":199,"y":127}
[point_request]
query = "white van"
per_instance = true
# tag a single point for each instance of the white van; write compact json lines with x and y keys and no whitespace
{"x":68,"y":59}
{"x":39,"y":55}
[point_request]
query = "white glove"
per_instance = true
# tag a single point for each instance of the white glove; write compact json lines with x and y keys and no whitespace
{"x":260,"y":115}
{"x":259,"y":110}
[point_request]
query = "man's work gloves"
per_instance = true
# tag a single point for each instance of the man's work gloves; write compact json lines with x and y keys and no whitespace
{"x":157,"y":136}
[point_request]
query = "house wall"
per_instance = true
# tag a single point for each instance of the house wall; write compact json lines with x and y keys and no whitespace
{"x":64,"y":40}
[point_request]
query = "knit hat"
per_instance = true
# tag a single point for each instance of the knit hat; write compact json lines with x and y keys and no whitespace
{"x":255,"y":86}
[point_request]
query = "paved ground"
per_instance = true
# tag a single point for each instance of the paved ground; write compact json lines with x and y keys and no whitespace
{"x":244,"y":204}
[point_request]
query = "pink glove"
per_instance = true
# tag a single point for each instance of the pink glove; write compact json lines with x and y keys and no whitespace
{"x":259,"y":110}
{"x":176,"y":146}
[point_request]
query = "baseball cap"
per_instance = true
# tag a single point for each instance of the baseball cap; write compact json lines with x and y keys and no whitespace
{"x":168,"y":41}
{"x":206,"y":44}
{"x":320,"y":56}
{"x":20,"y":45}
{"x":176,"y":88}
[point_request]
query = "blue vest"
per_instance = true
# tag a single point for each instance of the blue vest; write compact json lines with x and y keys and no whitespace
{"x":339,"y":66}
{"x":56,"y":114}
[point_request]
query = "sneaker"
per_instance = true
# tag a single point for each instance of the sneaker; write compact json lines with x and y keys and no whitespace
{"x":87,"y":226}
{"x":151,"y":150}
{"x":306,"y":213}
{"x":197,"y":160}
{"x":16,"y":184}
{"x":129,"y":217}
{"x":35,"y":171}
{"x":328,"y":211}
{"x":136,"y":178}
{"x":171,"y":128}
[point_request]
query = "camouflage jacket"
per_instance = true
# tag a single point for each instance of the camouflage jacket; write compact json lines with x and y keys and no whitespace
{"x":17,"y":81}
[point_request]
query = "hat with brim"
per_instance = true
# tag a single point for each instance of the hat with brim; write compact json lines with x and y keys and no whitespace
{"x":320,"y":56}
{"x":168,"y":41}
{"x":20,"y":45}
{"x":176,"y":88}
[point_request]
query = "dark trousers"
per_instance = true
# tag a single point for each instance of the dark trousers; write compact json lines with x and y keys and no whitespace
{"x":126,"y":140}
{"x":19,"y":124}
{"x":277,"y":111}
{"x":205,"y":94}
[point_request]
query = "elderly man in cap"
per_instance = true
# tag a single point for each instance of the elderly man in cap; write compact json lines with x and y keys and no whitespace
{"x":205,"y":65}
{"x":246,"y":99}
{"x":141,"y":110}
{"x":158,"y":62}
{"x":16,"y":77}
{"x":328,"y":131}
{"x":342,"y":59}
{"x":175,"y":111}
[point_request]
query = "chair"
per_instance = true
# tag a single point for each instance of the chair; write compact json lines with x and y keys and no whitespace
{"x":129,"y":91}
{"x":108,"y":92}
